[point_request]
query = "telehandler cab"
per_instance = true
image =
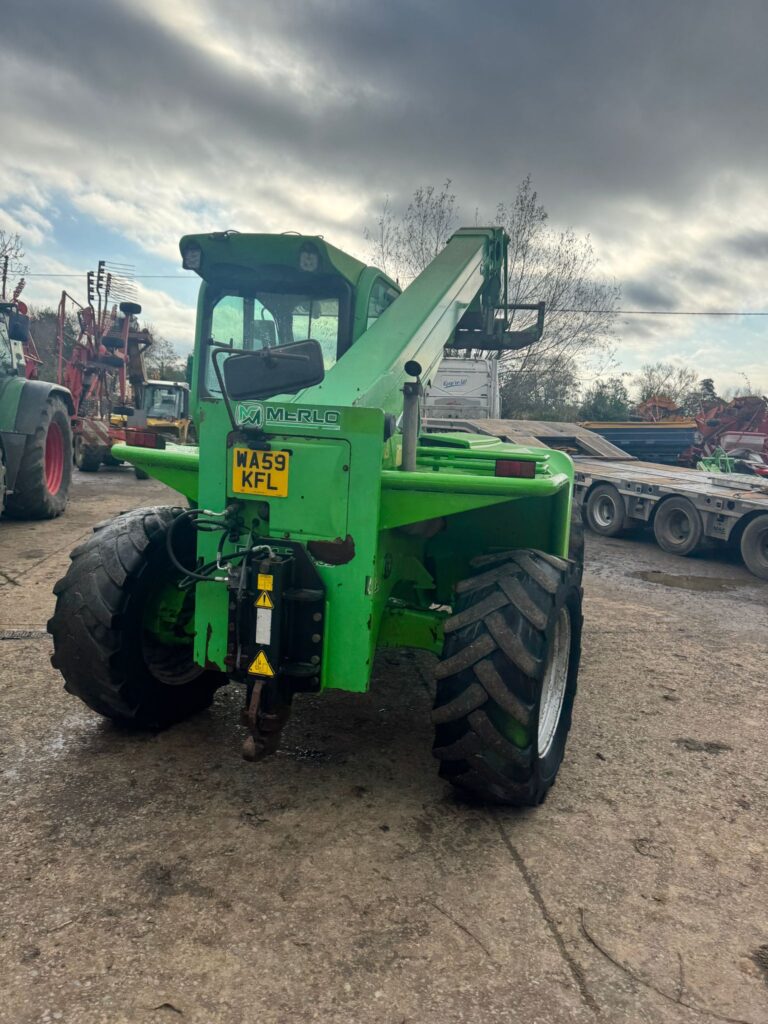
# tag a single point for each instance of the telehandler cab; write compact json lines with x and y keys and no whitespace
{"x":322,"y":524}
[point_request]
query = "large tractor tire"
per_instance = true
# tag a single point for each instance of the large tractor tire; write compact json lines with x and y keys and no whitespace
{"x":122,"y":628}
{"x":42,"y":483}
{"x":86,"y":461}
{"x":678,"y":526}
{"x":754,"y":546}
{"x":507,"y":679}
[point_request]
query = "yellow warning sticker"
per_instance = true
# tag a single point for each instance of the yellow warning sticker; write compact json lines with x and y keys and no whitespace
{"x":264,"y":600}
{"x":264,"y":581}
{"x":260,"y":666}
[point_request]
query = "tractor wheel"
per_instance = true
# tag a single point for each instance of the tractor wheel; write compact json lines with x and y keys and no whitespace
{"x":507,"y":679}
{"x":605,"y":511}
{"x":754,"y":546}
{"x":41,"y":487}
{"x":677,"y":526}
{"x":122,"y":628}
{"x":110,"y":460}
{"x":86,"y":462}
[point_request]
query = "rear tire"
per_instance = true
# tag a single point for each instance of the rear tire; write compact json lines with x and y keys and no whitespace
{"x":41,"y":487}
{"x":605,"y":511}
{"x":86,"y":462}
{"x":102,"y":647}
{"x":754,"y":546}
{"x":678,"y":527}
{"x":507,"y":678}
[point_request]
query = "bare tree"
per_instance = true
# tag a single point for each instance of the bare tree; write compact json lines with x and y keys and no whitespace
{"x":162,"y":360}
{"x":11,"y":257}
{"x":556,"y":267}
{"x":403,"y":246}
{"x":560,"y":269}
{"x":11,"y":246}
{"x":665,"y":380}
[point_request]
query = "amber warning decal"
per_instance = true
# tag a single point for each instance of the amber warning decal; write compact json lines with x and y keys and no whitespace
{"x":264,"y":601}
{"x":260,"y":666}
{"x":264,"y":581}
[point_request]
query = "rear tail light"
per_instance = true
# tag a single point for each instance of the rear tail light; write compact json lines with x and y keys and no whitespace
{"x":515,"y":467}
{"x":143,"y":438}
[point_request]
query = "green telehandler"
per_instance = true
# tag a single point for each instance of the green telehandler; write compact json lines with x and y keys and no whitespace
{"x":321,"y":523}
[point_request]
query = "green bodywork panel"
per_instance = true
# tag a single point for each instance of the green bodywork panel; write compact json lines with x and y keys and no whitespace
{"x":406,"y":538}
{"x":10,"y":396}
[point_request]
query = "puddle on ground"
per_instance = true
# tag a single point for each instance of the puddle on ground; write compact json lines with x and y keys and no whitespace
{"x":669,"y":579}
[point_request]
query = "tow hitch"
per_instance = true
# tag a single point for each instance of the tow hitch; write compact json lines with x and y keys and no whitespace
{"x":275,"y":638}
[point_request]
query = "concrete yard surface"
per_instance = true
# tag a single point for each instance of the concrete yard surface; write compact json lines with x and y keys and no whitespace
{"x":161,"y":878}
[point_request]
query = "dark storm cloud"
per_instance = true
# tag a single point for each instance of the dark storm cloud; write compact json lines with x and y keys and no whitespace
{"x":646,"y":295}
{"x":600,"y":100}
{"x":640,"y":122}
{"x":753,"y":244}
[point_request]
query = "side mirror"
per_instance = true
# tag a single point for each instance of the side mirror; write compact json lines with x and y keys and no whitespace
{"x":273,"y":371}
{"x":18,"y":327}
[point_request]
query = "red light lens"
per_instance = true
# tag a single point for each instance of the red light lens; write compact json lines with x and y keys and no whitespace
{"x":143,"y":438}
{"x":515,"y":467}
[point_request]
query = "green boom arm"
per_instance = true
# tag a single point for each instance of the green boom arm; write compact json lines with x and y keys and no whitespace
{"x":418,"y":325}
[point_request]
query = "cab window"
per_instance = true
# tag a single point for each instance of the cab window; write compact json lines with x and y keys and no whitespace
{"x":268,"y":319}
{"x":382,"y":296}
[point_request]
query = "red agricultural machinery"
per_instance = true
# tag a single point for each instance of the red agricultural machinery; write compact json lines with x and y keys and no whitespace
{"x":103,"y":365}
{"x":736,"y":430}
{"x":35,"y":431}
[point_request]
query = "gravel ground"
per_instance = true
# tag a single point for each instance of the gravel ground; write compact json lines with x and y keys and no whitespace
{"x":161,"y":878}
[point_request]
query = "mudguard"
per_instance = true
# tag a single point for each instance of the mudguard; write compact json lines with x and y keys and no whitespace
{"x":21,"y":404}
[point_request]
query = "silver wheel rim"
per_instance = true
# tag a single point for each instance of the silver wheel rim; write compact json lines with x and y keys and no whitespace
{"x":555,"y":683}
{"x":680,"y":526}
{"x":605,"y":511}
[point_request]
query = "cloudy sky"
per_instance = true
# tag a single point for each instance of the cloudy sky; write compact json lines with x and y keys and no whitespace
{"x":127,"y":123}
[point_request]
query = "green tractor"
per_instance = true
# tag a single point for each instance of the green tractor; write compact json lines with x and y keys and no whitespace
{"x":320,"y":523}
{"x":35,"y":426}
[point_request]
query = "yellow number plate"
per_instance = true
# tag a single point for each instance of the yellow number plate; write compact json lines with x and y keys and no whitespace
{"x":262,"y":473}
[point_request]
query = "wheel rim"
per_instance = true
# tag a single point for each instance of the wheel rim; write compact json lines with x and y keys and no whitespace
{"x":762,"y":545}
{"x":679,"y":526}
{"x":167,"y":640}
{"x":54,"y":458}
{"x":604,"y":511}
{"x":555,"y":683}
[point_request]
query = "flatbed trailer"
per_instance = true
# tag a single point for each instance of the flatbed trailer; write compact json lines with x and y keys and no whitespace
{"x":685,"y":508}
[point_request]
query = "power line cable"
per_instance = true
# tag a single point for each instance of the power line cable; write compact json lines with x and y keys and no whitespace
{"x":589,"y":312}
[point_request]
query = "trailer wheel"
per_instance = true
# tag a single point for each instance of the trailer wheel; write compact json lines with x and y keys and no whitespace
{"x":754,"y":546}
{"x":140,"y":474}
{"x":677,"y":526}
{"x":41,"y":487}
{"x":122,"y":628}
{"x":605,"y":511}
{"x":507,"y":679}
{"x":86,"y":461}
